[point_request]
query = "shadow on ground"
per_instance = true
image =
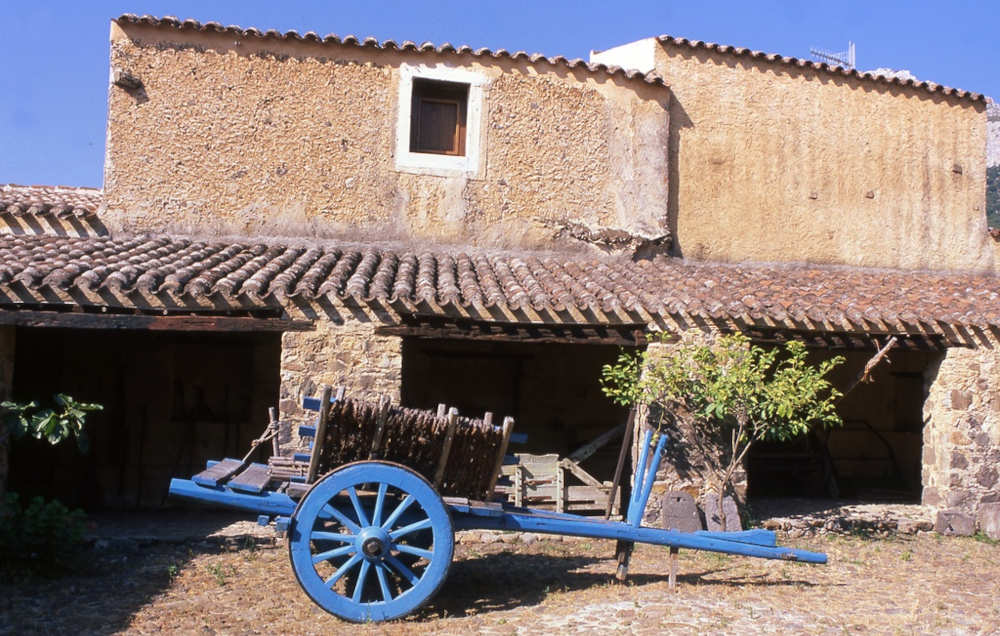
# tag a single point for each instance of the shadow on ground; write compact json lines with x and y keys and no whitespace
{"x":121,"y":568}
{"x":507,"y":580}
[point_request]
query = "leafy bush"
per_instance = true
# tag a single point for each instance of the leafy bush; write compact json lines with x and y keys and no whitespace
{"x":52,"y":425}
{"x":44,"y":534}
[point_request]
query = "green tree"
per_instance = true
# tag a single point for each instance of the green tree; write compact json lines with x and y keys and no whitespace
{"x":727,"y":394}
{"x":52,"y":424}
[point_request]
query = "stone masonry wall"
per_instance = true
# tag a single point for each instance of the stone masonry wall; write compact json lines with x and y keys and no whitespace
{"x":348,"y":355}
{"x":961,"y":455}
{"x":6,"y":384}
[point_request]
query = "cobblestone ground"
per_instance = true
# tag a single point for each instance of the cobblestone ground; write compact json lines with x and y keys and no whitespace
{"x":916,"y":584}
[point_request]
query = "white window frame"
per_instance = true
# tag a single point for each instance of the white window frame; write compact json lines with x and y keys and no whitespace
{"x":432,"y":163}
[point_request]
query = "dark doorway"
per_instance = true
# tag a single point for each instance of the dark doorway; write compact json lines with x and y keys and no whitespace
{"x":875,"y":455}
{"x":171,"y":402}
{"x":551,"y":390}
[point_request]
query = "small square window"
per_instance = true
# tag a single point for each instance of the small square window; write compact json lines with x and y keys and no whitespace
{"x":437,"y":117}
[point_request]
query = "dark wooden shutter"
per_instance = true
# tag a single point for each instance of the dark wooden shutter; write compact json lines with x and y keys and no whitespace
{"x":437,"y":119}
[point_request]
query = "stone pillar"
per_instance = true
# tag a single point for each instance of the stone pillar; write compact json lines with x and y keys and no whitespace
{"x":350,"y":355}
{"x":7,"y":342}
{"x":961,"y":453}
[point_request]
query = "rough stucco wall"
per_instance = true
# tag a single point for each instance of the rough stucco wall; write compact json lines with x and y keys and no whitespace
{"x":961,"y":456}
{"x":774,"y":163}
{"x":299,"y":140}
{"x":348,"y":355}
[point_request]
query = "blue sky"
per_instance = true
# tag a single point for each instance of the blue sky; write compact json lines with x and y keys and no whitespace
{"x":55,"y":54}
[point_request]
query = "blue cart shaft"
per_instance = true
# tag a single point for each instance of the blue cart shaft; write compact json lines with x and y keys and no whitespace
{"x":269,"y":503}
{"x":752,"y":543}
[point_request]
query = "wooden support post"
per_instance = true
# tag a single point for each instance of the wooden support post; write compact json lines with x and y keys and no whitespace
{"x":519,"y":486}
{"x":672,"y":580}
{"x":383,"y":415}
{"x":449,"y":437}
{"x":623,"y":455}
{"x":324,"y":411}
{"x":594,"y":445}
{"x":508,"y":428}
{"x":623,"y":552}
{"x":272,"y":416}
{"x":623,"y":549}
{"x":560,"y":489}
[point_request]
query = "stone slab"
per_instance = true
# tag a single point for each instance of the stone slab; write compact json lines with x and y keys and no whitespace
{"x":989,"y":519}
{"x":955,"y":523}
{"x":680,"y":512}
{"x":710,"y":507}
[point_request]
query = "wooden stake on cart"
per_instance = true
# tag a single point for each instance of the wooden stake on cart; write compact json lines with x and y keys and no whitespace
{"x":508,"y":428}
{"x":324,"y":412}
{"x":383,"y":415}
{"x":449,"y":437}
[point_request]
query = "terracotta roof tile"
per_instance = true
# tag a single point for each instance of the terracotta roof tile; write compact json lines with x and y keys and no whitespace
{"x":391,"y":45}
{"x":512,"y":281}
{"x":736,"y":51}
{"x":57,"y":201}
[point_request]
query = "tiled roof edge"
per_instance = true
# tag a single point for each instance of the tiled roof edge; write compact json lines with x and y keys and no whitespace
{"x":19,"y":200}
{"x":736,"y":51}
{"x":389,"y":45}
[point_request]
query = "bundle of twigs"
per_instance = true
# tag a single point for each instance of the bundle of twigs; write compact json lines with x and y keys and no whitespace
{"x":414,"y":438}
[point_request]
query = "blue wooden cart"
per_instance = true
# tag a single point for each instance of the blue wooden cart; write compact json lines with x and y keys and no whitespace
{"x":373,"y":540}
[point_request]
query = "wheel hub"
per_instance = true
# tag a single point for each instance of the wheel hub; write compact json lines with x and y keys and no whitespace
{"x":373,"y":543}
{"x":372,"y":548}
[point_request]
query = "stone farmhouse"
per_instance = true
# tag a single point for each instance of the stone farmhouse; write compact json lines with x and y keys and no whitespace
{"x":487,"y":229}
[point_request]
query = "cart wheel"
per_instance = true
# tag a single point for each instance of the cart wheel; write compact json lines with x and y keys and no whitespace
{"x":371,"y":541}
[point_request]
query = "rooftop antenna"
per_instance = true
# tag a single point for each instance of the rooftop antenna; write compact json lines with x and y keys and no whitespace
{"x":841,"y":58}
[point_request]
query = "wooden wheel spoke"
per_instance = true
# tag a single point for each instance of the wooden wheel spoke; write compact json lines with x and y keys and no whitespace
{"x":358,"y":510}
{"x":404,"y":571}
{"x":343,"y":570}
{"x":331,"y":511}
{"x":405,"y":526}
{"x":333,"y":554}
{"x":397,"y":513}
{"x":319,"y":535}
{"x":360,"y":585}
{"x":413,"y":527}
{"x":379,"y":504}
{"x":420,"y":552}
{"x":383,"y":582}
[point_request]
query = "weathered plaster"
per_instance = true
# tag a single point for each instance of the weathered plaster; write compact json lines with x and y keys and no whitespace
{"x":961,"y":455}
{"x":771,"y":162}
{"x":297,"y":139}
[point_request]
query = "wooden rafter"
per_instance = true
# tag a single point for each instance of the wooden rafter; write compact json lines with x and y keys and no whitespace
{"x":148,"y":322}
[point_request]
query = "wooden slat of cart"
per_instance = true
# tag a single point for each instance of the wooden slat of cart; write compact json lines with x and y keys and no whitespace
{"x":215,"y":475}
{"x":254,"y":479}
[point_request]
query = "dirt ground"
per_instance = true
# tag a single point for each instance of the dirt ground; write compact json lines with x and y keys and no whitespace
{"x":921,"y":584}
